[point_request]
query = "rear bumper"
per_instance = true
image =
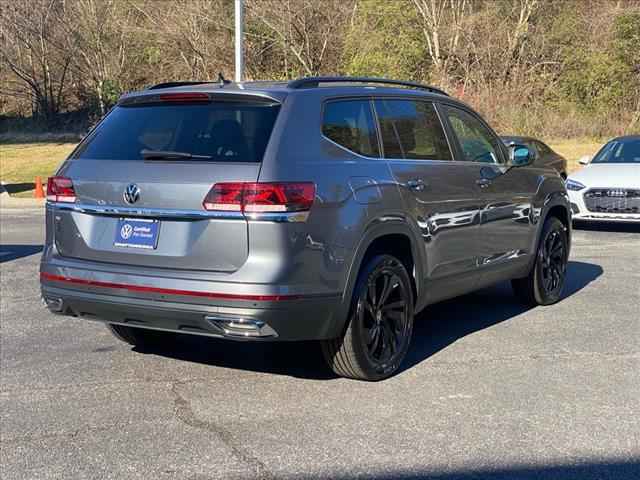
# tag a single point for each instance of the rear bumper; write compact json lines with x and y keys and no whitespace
{"x":136,"y":302}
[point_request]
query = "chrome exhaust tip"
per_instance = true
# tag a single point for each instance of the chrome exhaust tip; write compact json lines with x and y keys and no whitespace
{"x":54,"y":304}
{"x":241,"y":327}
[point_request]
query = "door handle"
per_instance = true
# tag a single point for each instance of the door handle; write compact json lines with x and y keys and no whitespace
{"x":483,"y":182}
{"x":417,"y":185}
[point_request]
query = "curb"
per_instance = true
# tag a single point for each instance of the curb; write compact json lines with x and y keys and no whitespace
{"x":7,"y":202}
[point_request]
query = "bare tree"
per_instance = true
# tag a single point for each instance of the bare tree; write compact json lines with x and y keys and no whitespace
{"x":97,"y":34}
{"x":442,"y":25}
{"x":518,"y":36}
{"x":197,"y":32}
{"x":31,"y":47}
{"x":308,"y":33}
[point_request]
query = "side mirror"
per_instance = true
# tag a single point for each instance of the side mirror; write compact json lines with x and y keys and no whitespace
{"x":584,"y":160}
{"x":519,"y":155}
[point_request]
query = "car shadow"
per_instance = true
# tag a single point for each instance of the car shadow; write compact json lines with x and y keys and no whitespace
{"x":581,"y":469}
{"x":436,"y":328}
{"x":607,"y":227}
{"x":13,"y":252}
{"x":442,"y":324}
{"x":13,"y":188}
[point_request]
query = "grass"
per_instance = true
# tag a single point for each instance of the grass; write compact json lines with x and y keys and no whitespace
{"x":22,"y":162}
{"x":573,"y":149}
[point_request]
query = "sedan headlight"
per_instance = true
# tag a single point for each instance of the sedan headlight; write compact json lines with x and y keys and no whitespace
{"x":573,"y":185}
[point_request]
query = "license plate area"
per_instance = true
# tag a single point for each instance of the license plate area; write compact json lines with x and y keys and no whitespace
{"x":137,"y":233}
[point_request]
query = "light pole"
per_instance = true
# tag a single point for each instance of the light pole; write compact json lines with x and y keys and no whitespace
{"x":239,"y":73}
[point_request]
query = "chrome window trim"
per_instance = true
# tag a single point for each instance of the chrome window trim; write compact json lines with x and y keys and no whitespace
{"x":117,"y":211}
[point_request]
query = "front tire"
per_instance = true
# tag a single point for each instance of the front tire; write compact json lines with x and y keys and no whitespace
{"x":380,"y":323}
{"x":545,"y":282}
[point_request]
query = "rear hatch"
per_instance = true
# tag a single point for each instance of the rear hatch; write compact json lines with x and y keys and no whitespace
{"x":158,"y":156}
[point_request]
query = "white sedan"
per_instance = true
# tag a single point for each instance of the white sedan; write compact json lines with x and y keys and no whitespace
{"x":608,"y":187}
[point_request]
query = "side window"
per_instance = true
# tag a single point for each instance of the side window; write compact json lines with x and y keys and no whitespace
{"x":477,"y":143}
{"x":350,"y":124}
{"x":534,"y":147}
{"x":543,"y":149}
{"x":411,"y":129}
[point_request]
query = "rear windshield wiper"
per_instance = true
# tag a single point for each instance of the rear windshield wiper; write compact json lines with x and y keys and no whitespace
{"x":169,"y":155}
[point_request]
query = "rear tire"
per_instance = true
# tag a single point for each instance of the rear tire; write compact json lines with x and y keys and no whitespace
{"x":545,"y":282}
{"x":380,"y":323}
{"x":135,"y":336}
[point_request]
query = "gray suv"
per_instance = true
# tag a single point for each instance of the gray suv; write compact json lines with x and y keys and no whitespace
{"x":331,"y":209}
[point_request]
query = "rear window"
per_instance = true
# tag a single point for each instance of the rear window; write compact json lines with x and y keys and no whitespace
{"x":412,"y":130}
{"x":220,"y":131}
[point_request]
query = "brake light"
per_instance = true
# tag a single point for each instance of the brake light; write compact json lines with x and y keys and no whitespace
{"x":260,"y":197}
{"x":60,"y":189}
{"x":184,"y":97}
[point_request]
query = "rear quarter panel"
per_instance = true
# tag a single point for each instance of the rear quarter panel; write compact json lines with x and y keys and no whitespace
{"x":357,"y":199}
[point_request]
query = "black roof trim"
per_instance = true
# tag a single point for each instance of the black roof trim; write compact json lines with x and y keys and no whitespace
{"x":313,"y":82}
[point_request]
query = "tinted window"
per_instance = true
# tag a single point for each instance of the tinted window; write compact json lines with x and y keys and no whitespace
{"x":411,"y":129}
{"x":534,"y":147}
{"x":543,"y":148}
{"x":350,"y":123}
{"x":476,"y":141}
{"x":223,"y":131}
{"x":619,"y":151}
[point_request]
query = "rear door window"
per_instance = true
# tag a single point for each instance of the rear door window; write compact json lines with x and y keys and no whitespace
{"x":221,"y":131}
{"x":411,"y":129}
{"x":349,"y":123}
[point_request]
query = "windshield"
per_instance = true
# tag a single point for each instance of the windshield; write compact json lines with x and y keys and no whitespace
{"x":213,"y":132}
{"x":619,"y":151}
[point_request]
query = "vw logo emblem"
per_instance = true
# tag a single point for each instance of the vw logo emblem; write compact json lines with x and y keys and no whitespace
{"x":131,"y":193}
{"x":126,"y":231}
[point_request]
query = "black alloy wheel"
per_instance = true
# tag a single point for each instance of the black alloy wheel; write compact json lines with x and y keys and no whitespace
{"x":545,"y":282}
{"x":380,"y":323}
{"x":383,"y":310}
{"x":553,"y":262}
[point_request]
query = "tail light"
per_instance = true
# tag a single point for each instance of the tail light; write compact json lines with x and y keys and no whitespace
{"x":260,"y":197}
{"x":60,"y":189}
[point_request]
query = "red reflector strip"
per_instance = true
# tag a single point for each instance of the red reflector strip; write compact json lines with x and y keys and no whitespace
{"x":166,"y":291}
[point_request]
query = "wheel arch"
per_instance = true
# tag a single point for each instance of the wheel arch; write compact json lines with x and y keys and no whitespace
{"x":392,"y":235}
{"x":556,"y":204}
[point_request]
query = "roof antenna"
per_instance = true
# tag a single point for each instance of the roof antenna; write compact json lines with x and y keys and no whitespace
{"x":222,"y":81}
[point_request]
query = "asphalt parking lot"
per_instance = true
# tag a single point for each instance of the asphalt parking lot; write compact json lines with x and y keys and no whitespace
{"x":490,"y":390}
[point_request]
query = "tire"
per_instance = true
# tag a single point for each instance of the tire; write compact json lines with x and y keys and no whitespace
{"x":135,"y":336}
{"x":380,"y":323}
{"x":545,"y":282}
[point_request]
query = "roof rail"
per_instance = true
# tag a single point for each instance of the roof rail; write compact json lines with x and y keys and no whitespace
{"x":313,"y":82}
